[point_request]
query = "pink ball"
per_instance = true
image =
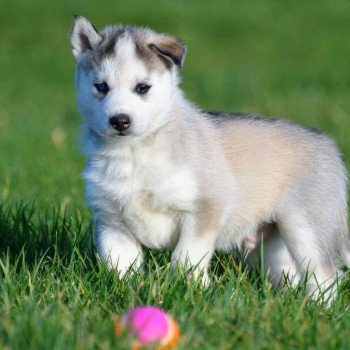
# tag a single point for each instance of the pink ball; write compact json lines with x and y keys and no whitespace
{"x":149,"y":324}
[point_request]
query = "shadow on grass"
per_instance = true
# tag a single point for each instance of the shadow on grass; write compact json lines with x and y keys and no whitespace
{"x":41,"y":236}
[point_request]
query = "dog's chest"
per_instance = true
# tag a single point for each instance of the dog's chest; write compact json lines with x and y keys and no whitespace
{"x":147,"y":194}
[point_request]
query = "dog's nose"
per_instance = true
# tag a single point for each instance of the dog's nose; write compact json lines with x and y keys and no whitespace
{"x":120,"y":122}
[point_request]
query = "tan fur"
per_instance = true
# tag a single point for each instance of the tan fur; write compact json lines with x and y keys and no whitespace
{"x":264,"y":161}
{"x":177,"y":177}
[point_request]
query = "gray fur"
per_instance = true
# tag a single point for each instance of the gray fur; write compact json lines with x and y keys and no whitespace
{"x":198,"y":180}
{"x":151,"y":51}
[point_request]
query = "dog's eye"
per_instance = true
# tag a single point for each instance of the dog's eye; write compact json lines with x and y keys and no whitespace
{"x":142,"y":89}
{"x":102,"y":87}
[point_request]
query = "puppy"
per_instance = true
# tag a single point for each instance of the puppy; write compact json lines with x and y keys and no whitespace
{"x":161,"y":173}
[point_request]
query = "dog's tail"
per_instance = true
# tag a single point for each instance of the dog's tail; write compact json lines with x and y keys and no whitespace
{"x":345,"y":238}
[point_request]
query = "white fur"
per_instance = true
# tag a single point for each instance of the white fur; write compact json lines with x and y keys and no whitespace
{"x":179,"y":180}
{"x":191,"y":251}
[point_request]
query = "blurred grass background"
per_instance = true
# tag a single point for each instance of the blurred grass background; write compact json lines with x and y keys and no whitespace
{"x":283,"y":59}
{"x":287,"y":59}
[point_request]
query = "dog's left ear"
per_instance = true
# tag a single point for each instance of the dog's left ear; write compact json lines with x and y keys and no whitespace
{"x":84,"y":36}
{"x":170,"y":48}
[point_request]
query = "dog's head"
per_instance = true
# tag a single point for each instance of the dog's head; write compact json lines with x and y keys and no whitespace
{"x":126,"y":77}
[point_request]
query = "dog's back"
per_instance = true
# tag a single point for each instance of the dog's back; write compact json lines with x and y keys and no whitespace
{"x":277,"y":162}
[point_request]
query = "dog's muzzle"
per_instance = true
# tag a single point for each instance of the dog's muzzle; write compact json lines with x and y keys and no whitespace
{"x":120,"y":122}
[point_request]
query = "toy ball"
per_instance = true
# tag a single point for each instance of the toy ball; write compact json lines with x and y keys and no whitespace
{"x":149,"y":325}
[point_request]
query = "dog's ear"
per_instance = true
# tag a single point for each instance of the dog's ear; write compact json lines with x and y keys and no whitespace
{"x":170,"y":48}
{"x":84,"y":36}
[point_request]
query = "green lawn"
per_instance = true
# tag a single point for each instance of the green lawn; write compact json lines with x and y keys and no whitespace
{"x":284,"y":59}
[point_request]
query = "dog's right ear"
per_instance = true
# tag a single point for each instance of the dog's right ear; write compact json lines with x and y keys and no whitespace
{"x":84,"y":36}
{"x":170,"y":48}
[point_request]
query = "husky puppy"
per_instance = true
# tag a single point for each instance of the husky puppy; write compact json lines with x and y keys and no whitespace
{"x":161,"y":173}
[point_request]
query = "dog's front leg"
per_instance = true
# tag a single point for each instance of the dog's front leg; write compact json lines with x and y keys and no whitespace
{"x":195,"y":247}
{"x":117,"y":246}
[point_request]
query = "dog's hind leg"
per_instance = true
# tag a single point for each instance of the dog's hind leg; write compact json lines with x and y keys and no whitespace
{"x":312,"y":258}
{"x":270,"y":250}
{"x":278,"y":263}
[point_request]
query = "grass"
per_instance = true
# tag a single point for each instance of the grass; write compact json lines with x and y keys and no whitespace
{"x":285,"y":59}
{"x":55,"y":294}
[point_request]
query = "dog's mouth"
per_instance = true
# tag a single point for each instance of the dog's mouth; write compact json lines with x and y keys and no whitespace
{"x":120,"y":133}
